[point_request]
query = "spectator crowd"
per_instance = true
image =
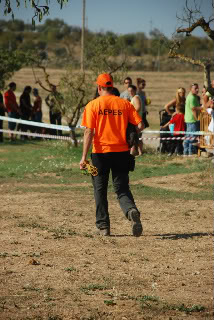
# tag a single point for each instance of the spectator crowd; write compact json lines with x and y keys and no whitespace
{"x":28,"y":109}
{"x":179,"y":115}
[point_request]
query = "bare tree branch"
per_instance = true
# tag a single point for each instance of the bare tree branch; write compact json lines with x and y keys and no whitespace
{"x":199,"y":23}
{"x":206,"y":65}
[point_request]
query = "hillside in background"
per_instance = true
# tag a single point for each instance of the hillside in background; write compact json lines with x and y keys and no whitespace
{"x":61,"y":44}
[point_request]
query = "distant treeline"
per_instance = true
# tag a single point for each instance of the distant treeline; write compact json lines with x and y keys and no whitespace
{"x":60,"y":42}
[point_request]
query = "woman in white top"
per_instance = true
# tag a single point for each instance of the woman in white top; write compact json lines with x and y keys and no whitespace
{"x":136,"y":101}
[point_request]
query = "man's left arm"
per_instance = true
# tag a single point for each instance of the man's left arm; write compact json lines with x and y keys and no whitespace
{"x":140,"y":126}
{"x":87,"y":140}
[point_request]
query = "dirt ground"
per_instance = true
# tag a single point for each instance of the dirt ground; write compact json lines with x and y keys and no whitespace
{"x":54,"y":267}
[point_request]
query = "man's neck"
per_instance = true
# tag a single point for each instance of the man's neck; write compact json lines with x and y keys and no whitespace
{"x":105,"y":93}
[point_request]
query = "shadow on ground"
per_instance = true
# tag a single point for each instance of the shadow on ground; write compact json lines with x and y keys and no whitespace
{"x":177,"y":236}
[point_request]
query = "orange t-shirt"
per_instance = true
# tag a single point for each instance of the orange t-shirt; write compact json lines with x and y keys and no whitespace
{"x":109,"y":116}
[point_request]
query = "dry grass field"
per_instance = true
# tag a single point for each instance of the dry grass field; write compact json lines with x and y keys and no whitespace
{"x":53,"y":265}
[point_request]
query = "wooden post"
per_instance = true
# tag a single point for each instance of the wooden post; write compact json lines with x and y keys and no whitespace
{"x":83,"y":36}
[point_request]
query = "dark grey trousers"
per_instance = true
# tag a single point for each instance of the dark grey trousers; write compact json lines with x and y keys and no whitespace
{"x":121,"y":188}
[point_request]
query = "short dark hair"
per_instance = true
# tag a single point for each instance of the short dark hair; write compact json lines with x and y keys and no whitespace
{"x":108,"y":89}
{"x":35,"y":91}
{"x":132,"y":87}
{"x":115,"y":92}
{"x":12,"y":85}
{"x":127,"y":78}
{"x":180,"y":108}
{"x":194,"y":85}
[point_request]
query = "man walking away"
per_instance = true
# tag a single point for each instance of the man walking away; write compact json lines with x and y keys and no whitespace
{"x":106,"y":119}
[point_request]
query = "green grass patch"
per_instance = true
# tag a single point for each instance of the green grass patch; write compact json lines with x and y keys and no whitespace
{"x":70,"y":269}
{"x":93,"y":287}
{"x":148,"y":193}
{"x":157,"y":165}
{"x":157,"y":304}
{"x":54,"y":164}
{"x":110,"y":302}
{"x":40,"y":157}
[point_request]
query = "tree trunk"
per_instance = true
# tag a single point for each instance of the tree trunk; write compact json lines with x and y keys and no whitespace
{"x":74,"y":138}
{"x":207,"y":80}
{"x":197,"y":62}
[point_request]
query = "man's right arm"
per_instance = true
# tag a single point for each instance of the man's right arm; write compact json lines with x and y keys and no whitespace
{"x":87,"y":140}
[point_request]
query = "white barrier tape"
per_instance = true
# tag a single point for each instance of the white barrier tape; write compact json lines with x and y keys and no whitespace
{"x":170,"y":138}
{"x":67,"y":128}
{"x":38,"y":124}
{"x":49,"y":136}
{"x":196,"y":133}
{"x":40,"y":135}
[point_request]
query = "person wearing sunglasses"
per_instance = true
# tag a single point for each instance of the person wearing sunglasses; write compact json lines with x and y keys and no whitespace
{"x":125,"y":93}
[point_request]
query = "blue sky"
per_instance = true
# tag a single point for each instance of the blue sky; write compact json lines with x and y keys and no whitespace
{"x":119,"y":16}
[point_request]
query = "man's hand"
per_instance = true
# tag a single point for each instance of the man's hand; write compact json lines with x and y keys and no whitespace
{"x":140,"y":126}
{"x":82,"y":164}
{"x":90,"y":169}
{"x":87,"y":140}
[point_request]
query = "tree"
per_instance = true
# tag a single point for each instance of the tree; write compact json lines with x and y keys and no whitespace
{"x":73,"y":92}
{"x":40,"y":7}
{"x":77,"y":88}
{"x":105,"y":54}
{"x":10,"y":62}
{"x":192,"y":18}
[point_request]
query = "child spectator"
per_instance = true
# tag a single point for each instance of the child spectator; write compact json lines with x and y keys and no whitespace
{"x":179,"y":125}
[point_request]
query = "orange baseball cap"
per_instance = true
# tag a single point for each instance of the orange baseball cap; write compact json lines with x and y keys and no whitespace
{"x":105,"y":80}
